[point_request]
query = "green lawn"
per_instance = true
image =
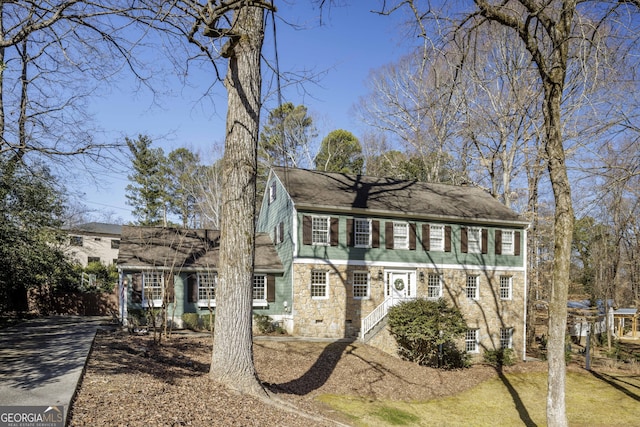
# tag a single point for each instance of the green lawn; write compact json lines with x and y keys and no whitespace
{"x":510,"y":400}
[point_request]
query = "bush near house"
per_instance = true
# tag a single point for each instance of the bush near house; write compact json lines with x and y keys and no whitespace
{"x":427,"y":331}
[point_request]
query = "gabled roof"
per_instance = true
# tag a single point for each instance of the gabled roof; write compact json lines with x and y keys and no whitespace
{"x":185,"y":249}
{"x":325,"y":191}
{"x":95,"y":228}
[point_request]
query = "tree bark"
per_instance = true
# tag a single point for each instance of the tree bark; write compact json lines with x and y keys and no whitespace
{"x":232,"y":357}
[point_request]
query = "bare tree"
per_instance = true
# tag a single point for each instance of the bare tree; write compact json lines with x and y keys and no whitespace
{"x":551,"y":33}
{"x":54,"y":56}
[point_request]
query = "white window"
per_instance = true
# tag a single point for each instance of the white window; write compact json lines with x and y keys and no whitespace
{"x":474,"y":240}
{"x":320,"y":230}
{"x":272,"y":192}
{"x":259,"y":290}
{"x":434,"y":286}
{"x":473,"y":287}
{"x":506,"y":337}
{"x":400,"y":235}
{"x":471,"y":341}
{"x":362,"y":232}
{"x":436,"y":238}
{"x":360,"y":285}
{"x":319,"y":284}
{"x":506,"y":287}
{"x":507,"y":242}
{"x":152,"y":282}
{"x":207,"y":283}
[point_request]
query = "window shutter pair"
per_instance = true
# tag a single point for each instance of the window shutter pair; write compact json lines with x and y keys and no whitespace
{"x":426,"y":239}
{"x":307,"y":230}
{"x":388,"y":235}
{"x":375,"y":233}
{"x":464,"y":240}
{"x":516,"y":243}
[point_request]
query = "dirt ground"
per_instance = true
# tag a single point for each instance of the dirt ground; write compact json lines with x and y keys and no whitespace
{"x":130,"y":381}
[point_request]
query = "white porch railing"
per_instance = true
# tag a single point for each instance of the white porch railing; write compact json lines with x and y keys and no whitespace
{"x":378,"y":313}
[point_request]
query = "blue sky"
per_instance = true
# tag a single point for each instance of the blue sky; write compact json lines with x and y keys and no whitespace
{"x":350,"y":43}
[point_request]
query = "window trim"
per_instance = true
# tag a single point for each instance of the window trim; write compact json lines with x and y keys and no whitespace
{"x":366,"y":286}
{"x":211,"y":302}
{"x":510,"y":249}
{"x":317,"y":285}
{"x":475,"y":341}
{"x":272,"y":192}
{"x":430,"y":277}
{"x":405,"y":244}
{"x":357,"y":233}
{"x":315,"y":231}
{"x":471,"y":243}
{"x":508,"y":287}
{"x":475,"y":288}
{"x":152,"y":303}
{"x":506,"y":336}
{"x":259,"y":302}
{"x":441,"y":228}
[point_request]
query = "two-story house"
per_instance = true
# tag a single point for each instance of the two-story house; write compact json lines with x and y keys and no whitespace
{"x":351,"y":246}
{"x":335,"y":251}
{"x":94,"y":242}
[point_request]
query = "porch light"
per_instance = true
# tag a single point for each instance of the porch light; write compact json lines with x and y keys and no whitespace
{"x":422,"y":276}
{"x":380,"y":275}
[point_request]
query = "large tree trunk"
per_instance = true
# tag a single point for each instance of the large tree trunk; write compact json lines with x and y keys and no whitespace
{"x":563,"y":234}
{"x":553,"y":78}
{"x":232,"y":358}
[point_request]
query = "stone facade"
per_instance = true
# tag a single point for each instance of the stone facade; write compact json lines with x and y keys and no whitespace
{"x":339,"y":315}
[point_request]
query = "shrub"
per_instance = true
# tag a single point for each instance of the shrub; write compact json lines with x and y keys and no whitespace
{"x":500,"y":357}
{"x":426,"y":332}
{"x":190,"y":321}
{"x":207,"y":322}
{"x":266,"y":325}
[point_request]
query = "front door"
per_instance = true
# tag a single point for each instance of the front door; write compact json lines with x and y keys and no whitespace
{"x":401,"y":285}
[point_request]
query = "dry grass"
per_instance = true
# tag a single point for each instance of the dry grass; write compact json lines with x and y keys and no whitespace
{"x":593,"y":399}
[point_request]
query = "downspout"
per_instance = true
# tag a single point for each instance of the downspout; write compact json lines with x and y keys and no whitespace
{"x":526,"y":292}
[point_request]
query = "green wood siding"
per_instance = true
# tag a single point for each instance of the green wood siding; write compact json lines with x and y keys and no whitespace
{"x":342,"y":252}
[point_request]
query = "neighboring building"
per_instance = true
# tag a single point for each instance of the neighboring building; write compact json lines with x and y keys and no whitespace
{"x":94,"y":241}
{"x":335,"y":251}
{"x":352,"y":246}
{"x":178,"y":267}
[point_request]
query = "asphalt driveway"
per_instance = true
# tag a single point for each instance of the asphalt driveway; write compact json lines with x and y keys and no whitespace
{"x":42,"y":360}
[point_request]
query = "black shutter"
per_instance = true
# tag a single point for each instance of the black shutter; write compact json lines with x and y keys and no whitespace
{"x":516,"y":243}
{"x":426,"y":240}
{"x":192,"y":288}
{"x":412,"y":236}
{"x":136,"y":288}
{"x":281,"y":234}
{"x":498,"y":242}
{"x":271,"y":288}
{"x":334,"y":231}
{"x":447,"y":238}
{"x":464,"y":240}
{"x":170,"y":294}
{"x":388,"y":234}
{"x":350,"y":232}
{"x":485,"y":239}
{"x":306,"y":230}
{"x":375,"y":234}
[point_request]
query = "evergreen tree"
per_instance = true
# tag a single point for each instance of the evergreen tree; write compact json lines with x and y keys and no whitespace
{"x":340,"y":151}
{"x":147,"y":192}
{"x":30,"y":238}
{"x":182,"y":168}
